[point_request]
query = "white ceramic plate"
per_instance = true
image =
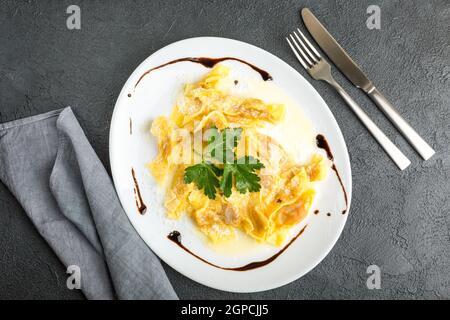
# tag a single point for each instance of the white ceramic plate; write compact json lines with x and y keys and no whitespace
{"x":154,"y":96}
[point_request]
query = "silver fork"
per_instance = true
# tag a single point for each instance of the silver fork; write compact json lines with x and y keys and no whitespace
{"x":320,"y":69}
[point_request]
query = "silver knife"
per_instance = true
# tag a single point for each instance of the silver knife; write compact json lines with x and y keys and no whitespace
{"x":352,"y":71}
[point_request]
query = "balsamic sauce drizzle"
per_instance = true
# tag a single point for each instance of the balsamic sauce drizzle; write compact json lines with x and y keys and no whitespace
{"x":175,"y":237}
{"x":141,"y":207}
{"x":131,"y":126}
{"x":208,"y":63}
{"x":322,"y":143}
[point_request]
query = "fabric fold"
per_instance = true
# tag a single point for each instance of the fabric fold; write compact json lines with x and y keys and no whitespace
{"x":50,"y":167}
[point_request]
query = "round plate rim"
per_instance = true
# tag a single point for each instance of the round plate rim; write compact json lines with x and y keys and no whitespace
{"x":340,"y":137}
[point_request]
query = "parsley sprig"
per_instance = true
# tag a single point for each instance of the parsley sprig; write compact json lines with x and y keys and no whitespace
{"x":221,"y":144}
{"x":204,"y":175}
{"x":243,"y":171}
{"x":221,"y":149}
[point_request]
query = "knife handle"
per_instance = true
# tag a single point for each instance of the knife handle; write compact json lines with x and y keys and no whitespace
{"x":408,"y":132}
{"x":391,"y":149}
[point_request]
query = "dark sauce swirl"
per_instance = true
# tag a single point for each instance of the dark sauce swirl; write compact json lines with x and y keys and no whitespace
{"x":141,"y":207}
{"x":208,"y":63}
{"x":175,"y":237}
{"x":322,"y":143}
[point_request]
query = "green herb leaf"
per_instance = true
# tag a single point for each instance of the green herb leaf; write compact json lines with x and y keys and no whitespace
{"x":221,"y":144}
{"x":243,"y":171}
{"x":204,"y":175}
{"x":226,"y":182}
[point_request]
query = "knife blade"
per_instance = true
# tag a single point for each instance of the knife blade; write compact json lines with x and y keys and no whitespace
{"x":356,"y":76}
{"x":335,"y":52}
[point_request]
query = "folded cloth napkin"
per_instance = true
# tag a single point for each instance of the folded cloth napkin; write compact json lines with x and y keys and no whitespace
{"x":50,"y":167}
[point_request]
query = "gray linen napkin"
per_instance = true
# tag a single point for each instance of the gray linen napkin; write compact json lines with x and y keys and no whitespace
{"x":50,"y":167}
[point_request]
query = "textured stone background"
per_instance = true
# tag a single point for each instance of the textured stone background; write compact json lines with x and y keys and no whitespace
{"x":399,"y":220}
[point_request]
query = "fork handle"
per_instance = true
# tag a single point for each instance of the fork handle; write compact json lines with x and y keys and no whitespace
{"x":391,"y":149}
{"x":408,"y":132}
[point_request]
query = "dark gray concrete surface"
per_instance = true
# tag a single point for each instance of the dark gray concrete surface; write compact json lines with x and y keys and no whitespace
{"x":399,"y":220}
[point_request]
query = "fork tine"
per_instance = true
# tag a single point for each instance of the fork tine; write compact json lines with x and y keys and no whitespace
{"x":310,"y":44}
{"x":310,"y":54}
{"x":297,"y":55}
{"x":301,"y":52}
